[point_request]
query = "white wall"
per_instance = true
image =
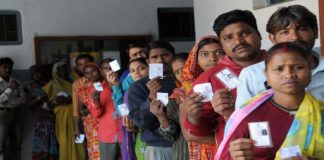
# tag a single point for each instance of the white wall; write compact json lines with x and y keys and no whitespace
{"x":207,"y":10}
{"x":84,"y":17}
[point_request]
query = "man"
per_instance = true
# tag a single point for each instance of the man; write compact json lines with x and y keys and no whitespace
{"x":142,"y":92}
{"x":288,"y":24}
{"x":11,"y":97}
{"x":241,"y":40}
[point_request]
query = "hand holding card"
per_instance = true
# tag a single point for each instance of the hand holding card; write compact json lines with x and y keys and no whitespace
{"x":163,"y":97}
{"x":98,"y":86}
{"x":155,"y":70}
{"x":123,"y":109}
{"x":80,"y":138}
{"x":228,"y":78}
{"x":114,"y":65}
{"x":260,"y":133}
{"x":206,"y":90}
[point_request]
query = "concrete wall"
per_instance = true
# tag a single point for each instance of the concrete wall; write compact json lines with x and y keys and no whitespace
{"x":207,"y":10}
{"x":84,"y":17}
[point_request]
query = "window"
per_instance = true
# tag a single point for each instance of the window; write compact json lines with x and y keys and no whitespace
{"x":176,"y":24}
{"x":10,"y":28}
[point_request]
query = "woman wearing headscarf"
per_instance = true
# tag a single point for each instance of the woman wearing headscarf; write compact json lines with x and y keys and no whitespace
{"x":59,"y":92}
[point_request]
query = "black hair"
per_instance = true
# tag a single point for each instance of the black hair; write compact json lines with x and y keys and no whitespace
{"x":106,"y":60}
{"x":297,"y":14}
{"x":234,"y":16}
{"x":207,"y":41}
{"x":136,"y":45}
{"x":285,"y":47}
{"x":6,"y":60}
{"x":180,"y":56}
{"x":159,"y":44}
{"x":83,"y":56}
{"x":141,"y":60}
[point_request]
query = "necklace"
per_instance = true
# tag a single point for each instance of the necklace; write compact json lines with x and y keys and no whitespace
{"x":292,"y":112}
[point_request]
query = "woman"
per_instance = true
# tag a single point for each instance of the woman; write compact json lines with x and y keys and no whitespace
{"x":133,"y":145}
{"x":90,"y":123}
{"x":102,"y":107}
{"x":44,"y":143}
{"x":59,"y":93}
{"x":299,"y":114}
{"x":204,"y":55}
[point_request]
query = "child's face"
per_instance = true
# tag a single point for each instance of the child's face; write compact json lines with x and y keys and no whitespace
{"x":138,"y":70}
{"x":177,"y":67}
{"x":5,"y":70}
{"x":288,"y":73}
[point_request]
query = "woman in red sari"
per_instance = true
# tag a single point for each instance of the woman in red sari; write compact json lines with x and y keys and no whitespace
{"x":90,"y":123}
{"x":203,"y":56}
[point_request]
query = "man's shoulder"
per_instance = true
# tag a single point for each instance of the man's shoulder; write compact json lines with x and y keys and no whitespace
{"x":255,"y":68}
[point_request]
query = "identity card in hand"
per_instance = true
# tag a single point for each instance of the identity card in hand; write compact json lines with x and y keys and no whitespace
{"x":155,"y":70}
{"x":98,"y":86}
{"x":123,"y":109}
{"x":206,"y":90}
{"x":228,"y":78}
{"x":288,"y":152}
{"x":260,"y":133}
{"x":114,"y":65}
{"x":80,"y":138}
{"x":163,"y":97}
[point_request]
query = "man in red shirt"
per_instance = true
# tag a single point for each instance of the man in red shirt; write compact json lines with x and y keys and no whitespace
{"x":241,"y":40}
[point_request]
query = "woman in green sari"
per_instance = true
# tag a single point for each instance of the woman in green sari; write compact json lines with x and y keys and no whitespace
{"x":59,"y":91}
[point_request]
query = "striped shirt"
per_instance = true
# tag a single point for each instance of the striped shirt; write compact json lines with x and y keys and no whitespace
{"x":252,"y":80}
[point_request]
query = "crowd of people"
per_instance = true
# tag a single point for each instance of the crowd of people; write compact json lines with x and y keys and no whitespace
{"x":275,"y":112}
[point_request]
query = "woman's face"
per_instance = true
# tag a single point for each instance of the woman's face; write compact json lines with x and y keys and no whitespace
{"x":288,"y":73}
{"x":138,"y":70}
{"x":209,"y":54}
{"x":91,"y":73}
{"x":177,"y":67}
{"x":63,"y":72}
{"x":105,"y":67}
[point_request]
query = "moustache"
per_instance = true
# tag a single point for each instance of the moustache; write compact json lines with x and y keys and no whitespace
{"x":244,"y":45}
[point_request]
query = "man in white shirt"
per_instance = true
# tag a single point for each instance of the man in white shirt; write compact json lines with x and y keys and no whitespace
{"x":288,"y":24}
{"x":11,"y":97}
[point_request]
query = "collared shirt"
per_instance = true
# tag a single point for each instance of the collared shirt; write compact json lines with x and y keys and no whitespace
{"x":253,"y":77}
{"x":11,"y":98}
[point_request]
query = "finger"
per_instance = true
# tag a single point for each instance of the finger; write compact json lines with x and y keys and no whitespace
{"x":241,"y":144}
{"x":149,"y":85}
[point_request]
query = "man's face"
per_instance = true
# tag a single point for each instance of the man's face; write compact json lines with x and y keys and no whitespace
{"x":294,"y":33}
{"x":80,"y":64}
{"x":240,"y":41}
{"x":136,"y":53}
{"x":5,"y":70}
{"x":161,"y":55}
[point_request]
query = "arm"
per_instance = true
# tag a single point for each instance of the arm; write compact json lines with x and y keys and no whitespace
{"x":4,"y":97}
{"x":20,"y":96}
{"x":208,"y":139}
{"x":117,"y":95}
{"x":139,"y":107}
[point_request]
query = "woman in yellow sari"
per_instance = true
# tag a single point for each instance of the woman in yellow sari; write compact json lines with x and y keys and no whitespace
{"x":59,"y":91}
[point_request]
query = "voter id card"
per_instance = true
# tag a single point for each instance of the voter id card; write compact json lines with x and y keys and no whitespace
{"x":228,"y":78}
{"x":206,"y":90}
{"x":260,"y":133}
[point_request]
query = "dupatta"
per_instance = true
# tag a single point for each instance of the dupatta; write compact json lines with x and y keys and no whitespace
{"x":306,"y":130}
{"x":191,"y":71}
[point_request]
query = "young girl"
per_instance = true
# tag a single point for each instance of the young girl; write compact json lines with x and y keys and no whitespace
{"x":204,"y":55}
{"x":294,"y":116}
